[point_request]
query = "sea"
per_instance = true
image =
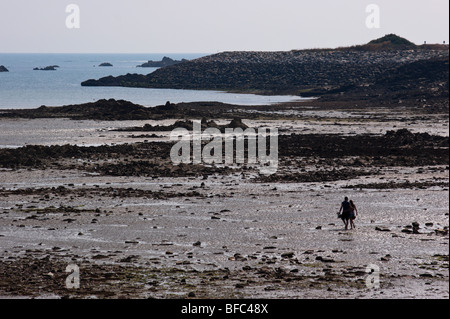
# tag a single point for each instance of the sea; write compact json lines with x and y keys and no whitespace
{"x":25,"y":88}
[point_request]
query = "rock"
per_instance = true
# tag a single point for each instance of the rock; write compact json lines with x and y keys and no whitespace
{"x":265,"y":270}
{"x":239,"y":257}
{"x":197,"y":244}
{"x":3,"y":69}
{"x":287,"y":255}
{"x":166,"y":61}
{"x":325,"y":259}
{"x":128,"y":259}
{"x":441,"y":232}
{"x":187,"y":124}
{"x":105,"y":64}
{"x":237,"y":123}
{"x":415,"y":228}
{"x":441,"y":257}
{"x":47,"y":68}
{"x":99,"y":256}
{"x":382,"y":229}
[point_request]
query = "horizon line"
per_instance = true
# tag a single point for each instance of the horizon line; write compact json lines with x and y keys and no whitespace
{"x":105,"y":52}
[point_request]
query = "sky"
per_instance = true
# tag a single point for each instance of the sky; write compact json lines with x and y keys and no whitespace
{"x":210,"y":26}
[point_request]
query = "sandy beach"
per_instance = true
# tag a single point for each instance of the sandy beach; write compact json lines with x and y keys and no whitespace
{"x":224,"y":232}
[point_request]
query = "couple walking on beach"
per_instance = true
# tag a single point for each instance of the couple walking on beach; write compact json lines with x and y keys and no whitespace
{"x":348,"y":213}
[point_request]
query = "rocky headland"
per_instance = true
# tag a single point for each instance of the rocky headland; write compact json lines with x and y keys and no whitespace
{"x":392,"y":67}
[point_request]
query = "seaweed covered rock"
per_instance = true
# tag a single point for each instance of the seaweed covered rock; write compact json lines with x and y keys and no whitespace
{"x":106,"y":110}
{"x":188,"y":125}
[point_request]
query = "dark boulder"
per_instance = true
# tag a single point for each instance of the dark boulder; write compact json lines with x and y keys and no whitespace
{"x":47,"y":68}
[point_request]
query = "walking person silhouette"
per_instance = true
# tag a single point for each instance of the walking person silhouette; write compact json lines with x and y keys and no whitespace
{"x":353,"y":214}
{"x":345,"y":210}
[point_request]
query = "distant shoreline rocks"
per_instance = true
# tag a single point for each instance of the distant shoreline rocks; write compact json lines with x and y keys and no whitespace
{"x":105,"y":64}
{"x":47,"y":68}
{"x":166,"y":61}
{"x":3,"y":69}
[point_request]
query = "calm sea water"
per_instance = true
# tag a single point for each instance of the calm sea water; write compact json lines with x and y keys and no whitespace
{"x":22,"y":87}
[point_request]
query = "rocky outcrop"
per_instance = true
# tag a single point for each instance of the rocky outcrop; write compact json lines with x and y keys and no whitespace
{"x":3,"y":69}
{"x":119,"y":110}
{"x":101,"y":110}
{"x":388,"y":42}
{"x":166,"y":61}
{"x":105,"y":64}
{"x":47,"y":68}
{"x":187,"y":124}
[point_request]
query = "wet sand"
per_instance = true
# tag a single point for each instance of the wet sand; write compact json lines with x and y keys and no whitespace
{"x":222,"y":233}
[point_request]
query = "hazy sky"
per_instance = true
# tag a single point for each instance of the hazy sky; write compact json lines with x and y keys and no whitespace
{"x":209,"y":26}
